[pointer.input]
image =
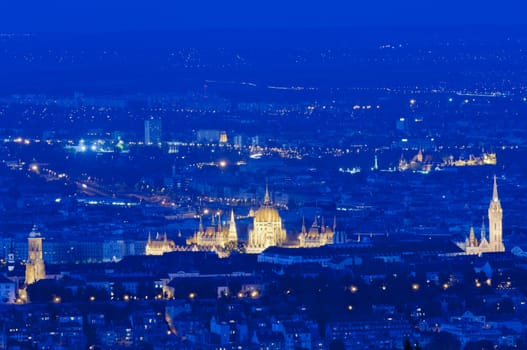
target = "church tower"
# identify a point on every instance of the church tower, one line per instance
(35, 270)
(11, 258)
(495, 218)
(233, 234)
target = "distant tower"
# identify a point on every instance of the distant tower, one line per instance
(223, 137)
(483, 240)
(495, 219)
(35, 270)
(11, 258)
(153, 131)
(233, 234)
(375, 163)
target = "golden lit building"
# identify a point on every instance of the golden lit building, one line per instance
(418, 163)
(35, 269)
(495, 241)
(215, 235)
(223, 137)
(216, 238)
(426, 163)
(317, 235)
(485, 159)
(160, 245)
(267, 230)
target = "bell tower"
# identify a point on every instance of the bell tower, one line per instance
(35, 269)
(495, 219)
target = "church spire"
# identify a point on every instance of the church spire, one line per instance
(315, 222)
(495, 191)
(334, 223)
(303, 225)
(495, 221)
(483, 231)
(233, 233)
(472, 238)
(200, 229)
(267, 199)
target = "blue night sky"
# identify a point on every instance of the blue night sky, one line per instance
(120, 15)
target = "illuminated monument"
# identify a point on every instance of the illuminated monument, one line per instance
(267, 230)
(35, 270)
(216, 238)
(495, 241)
(160, 245)
(215, 235)
(317, 235)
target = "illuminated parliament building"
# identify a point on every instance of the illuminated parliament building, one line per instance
(267, 231)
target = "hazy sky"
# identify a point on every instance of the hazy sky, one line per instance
(118, 15)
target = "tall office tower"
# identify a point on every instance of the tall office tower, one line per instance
(153, 131)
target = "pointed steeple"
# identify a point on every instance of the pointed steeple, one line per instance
(267, 199)
(149, 237)
(323, 226)
(334, 223)
(495, 191)
(304, 230)
(495, 213)
(200, 229)
(213, 223)
(233, 233)
(483, 231)
(472, 238)
(315, 222)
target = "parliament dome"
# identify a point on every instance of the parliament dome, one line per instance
(267, 213)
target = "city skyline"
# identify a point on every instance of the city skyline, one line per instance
(275, 184)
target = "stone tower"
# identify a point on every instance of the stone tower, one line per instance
(495, 218)
(35, 269)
